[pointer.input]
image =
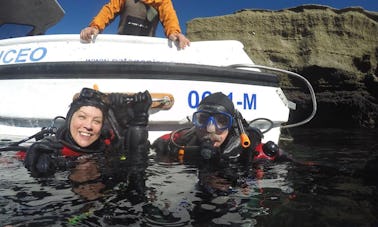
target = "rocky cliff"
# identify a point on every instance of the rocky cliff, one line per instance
(335, 49)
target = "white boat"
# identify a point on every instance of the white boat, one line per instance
(40, 74)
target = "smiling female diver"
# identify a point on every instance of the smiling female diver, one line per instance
(89, 130)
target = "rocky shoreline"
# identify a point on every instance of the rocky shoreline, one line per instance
(335, 49)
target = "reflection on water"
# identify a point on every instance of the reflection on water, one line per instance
(332, 186)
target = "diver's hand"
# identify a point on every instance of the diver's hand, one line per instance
(119, 100)
(131, 110)
(120, 104)
(41, 158)
(142, 103)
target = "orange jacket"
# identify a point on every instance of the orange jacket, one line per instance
(167, 14)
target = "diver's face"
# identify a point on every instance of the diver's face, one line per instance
(213, 124)
(86, 124)
(217, 137)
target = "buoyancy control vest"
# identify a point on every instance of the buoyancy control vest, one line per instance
(138, 18)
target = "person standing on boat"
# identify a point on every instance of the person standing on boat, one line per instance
(138, 17)
(96, 125)
(220, 142)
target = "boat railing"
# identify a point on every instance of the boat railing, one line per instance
(307, 83)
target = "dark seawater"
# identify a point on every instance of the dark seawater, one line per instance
(333, 183)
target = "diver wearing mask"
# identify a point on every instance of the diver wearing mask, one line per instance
(214, 142)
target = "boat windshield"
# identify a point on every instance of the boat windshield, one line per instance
(14, 30)
(27, 18)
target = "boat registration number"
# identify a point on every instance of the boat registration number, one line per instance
(247, 101)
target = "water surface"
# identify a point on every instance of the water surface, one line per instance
(328, 185)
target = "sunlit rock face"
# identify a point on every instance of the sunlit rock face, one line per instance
(335, 49)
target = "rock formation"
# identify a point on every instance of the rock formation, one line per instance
(335, 49)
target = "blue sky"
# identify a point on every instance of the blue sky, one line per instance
(79, 13)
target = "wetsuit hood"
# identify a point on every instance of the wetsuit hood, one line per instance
(87, 97)
(217, 102)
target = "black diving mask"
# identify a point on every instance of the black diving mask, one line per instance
(92, 97)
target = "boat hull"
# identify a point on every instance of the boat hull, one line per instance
(36, 92)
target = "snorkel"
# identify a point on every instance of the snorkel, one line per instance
(244, 139)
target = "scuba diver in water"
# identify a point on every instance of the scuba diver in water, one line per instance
(96, 125)
(220, 142)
